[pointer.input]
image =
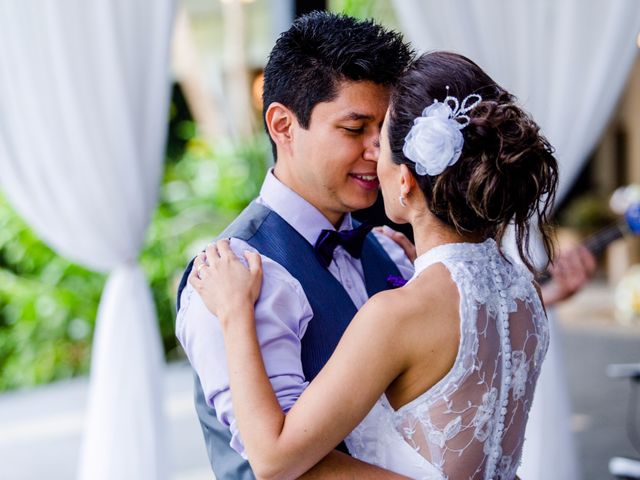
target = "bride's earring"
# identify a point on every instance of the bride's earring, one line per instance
(402, 200)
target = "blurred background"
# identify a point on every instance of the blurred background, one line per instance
(214, 159)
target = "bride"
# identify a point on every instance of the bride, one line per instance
(435, 379)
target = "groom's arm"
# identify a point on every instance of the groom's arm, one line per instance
(282, 314)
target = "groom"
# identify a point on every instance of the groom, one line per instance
(326, 90)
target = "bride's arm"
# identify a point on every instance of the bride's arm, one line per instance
(340, 466)
(280, 446)
(368, 358)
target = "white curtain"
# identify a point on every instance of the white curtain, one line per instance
(567, 61)
(84, 91)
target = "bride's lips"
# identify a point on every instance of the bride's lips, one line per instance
(368, 181)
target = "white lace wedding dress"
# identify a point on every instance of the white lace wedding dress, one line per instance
(471, 424)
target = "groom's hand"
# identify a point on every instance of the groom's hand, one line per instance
(401, 239)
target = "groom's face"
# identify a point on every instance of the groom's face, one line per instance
(336, 156)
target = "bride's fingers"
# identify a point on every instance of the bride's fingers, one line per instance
(255, 262)
(224, 249)
(212, 254)
(193, 279)
(200, 259)
(400, 238)
(203, 265)
(198, 264)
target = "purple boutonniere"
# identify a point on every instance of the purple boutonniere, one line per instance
(395, 281)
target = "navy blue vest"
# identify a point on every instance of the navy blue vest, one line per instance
(332, 309)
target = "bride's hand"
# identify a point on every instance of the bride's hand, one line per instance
(227, 287)
(401, 239)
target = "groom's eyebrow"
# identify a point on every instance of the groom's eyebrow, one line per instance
(355, 116)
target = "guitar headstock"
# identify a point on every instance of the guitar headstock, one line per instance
(624, 198)
(625, 201)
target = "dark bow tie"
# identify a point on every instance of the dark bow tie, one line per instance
(351, 241)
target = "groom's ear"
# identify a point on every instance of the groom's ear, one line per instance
(280, 121)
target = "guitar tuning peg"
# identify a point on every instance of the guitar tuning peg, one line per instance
(624, 197)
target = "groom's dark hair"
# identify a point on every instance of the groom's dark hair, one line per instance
(321, 49)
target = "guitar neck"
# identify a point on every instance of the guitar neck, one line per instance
(597, 242)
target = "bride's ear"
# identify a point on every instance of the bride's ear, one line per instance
(407, 181)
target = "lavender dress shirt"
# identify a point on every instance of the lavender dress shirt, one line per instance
(282, 312)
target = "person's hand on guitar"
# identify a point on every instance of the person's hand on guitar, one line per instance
(574, 267)
(570, 271)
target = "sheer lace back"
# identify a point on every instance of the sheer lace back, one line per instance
(471, 423)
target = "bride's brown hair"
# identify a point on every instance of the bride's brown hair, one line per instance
(506, 173)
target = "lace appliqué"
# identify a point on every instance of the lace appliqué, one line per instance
(471, 423)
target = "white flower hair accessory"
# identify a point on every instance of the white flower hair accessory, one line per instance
(435, 141)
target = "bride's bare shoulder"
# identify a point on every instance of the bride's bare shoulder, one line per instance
(429, 296)
(428, 304)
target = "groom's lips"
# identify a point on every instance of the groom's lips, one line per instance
(368, 181)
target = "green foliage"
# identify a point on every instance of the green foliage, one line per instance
(47, 308)
(354, 8)
(201, 193)
(587, 214)
(380, 10)
(48, 305)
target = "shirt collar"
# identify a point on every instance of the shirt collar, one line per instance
(306, 219)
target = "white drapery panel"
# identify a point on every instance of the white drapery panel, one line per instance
(567, 61)
(84, 92)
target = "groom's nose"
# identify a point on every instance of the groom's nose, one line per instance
(372, 148)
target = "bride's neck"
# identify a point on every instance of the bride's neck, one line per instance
(430, 232)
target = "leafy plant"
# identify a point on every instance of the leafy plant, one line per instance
(48, 305)
(381, 10)
(200, 195)
(587, 213)
(47, 308)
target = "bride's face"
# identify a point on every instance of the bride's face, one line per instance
(389, 175)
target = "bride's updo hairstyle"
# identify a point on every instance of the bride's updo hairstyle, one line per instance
(506, 171)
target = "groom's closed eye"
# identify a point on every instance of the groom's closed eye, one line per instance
(354, 130)
(355, 122)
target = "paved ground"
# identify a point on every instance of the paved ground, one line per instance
(592, 341)
(40, 429)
